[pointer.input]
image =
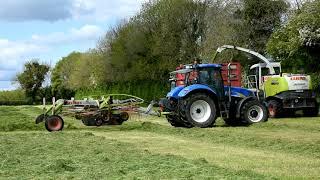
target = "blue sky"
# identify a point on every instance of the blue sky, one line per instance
(51, 29)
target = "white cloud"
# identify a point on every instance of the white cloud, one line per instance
(26, 10)
(83, 34)
(13, 54)
(87, 32)
(100, 10)
(54, 10)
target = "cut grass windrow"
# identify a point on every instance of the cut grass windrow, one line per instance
(149, 148)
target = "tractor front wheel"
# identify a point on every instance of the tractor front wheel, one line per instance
(54, 123)
(254, 112)
(200, 110)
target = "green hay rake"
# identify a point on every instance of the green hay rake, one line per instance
(111, 109)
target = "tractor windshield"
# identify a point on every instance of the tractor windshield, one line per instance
(206, 76)
(210, 77)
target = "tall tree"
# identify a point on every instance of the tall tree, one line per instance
(164, 34)
(297, 44)
(222, 27)
(32, 78)
(244, 23)
(60, 80)
(261, 18)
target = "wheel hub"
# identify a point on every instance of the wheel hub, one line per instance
(200, 111)
(54, 124)
(255, 113)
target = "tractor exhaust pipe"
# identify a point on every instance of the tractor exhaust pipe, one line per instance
(229, 82)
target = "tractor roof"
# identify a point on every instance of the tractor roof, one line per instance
(209, 65)
(190, 67)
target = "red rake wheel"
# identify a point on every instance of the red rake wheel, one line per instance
(124, 116)
(54, 123)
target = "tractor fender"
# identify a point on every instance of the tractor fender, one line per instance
(241, 103)
(196, 88)
(174, 92)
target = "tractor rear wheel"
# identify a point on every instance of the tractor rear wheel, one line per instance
(275, 109)
(200, 110)
(254, 112)
(54, 123)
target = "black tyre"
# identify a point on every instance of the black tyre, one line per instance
(200, 110)
(99, 121)
(174, 121)
(254, 112)
(124, 116)
(275, 109)
(54, 123)
(312, 112)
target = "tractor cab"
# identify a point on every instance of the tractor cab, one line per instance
(221, 78)
(198, 74)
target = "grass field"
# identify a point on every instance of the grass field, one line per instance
(148, 148)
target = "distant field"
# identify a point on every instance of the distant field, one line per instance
(148, 148)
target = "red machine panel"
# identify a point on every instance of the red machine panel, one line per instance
(236, 77)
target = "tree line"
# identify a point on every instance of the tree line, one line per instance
(137, 54)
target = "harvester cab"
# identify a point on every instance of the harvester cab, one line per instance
(259, 73)
(198, 96)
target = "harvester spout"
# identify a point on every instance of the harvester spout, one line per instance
(262, 58)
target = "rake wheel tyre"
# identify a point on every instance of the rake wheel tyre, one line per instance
(99, 122)
(54, 123)
(124, 116)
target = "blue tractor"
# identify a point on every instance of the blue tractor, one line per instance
(198, 96)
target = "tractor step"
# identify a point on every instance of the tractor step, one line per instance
(224, 114)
